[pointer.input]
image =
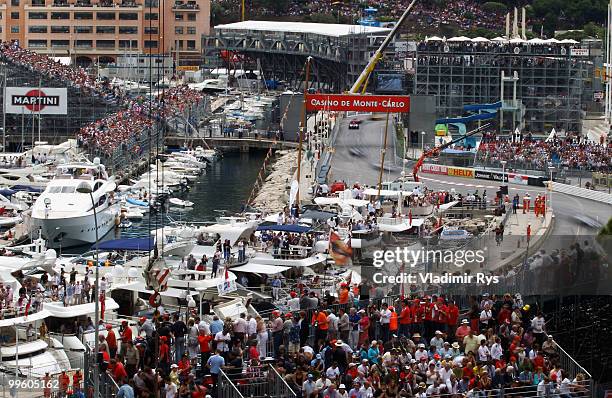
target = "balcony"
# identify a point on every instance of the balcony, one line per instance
(186, 6)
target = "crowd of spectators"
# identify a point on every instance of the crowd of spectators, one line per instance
(356, 344)
(110, 133)
(465, 14)
(572, 152)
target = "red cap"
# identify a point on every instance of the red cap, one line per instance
(143, 319)
(288, 315)
(293, 294)
(436, 356)
(109, 326)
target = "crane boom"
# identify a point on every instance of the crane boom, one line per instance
(435, 151)
(365, 74)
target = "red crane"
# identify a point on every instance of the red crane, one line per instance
(436, 151)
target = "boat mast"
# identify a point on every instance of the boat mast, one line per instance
(301, 131)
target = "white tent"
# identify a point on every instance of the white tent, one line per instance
(433, 38)
(517, 40)
(553, 41)
(537, 40)
(458, 39)
(499, 39)
(569, 41)
(551, 135)
(480, 40)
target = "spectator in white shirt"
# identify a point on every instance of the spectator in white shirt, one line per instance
(496, 349)
(483, 351)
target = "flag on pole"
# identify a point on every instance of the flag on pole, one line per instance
(340, 251)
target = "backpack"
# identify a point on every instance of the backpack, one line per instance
(294, 333)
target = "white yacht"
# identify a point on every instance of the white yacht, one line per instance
(65, 216)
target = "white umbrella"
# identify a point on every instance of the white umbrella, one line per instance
(536, 41)
(569, 41)
(500, 39)
(458, 39)
(433, 38)
(517, 40)
(553, 40)
(480, 40)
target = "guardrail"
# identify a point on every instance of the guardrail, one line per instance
(225, 387)
(582, 193)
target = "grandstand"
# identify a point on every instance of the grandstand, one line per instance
(554, 88)
(82, 108)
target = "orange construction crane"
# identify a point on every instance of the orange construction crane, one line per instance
(436, 151)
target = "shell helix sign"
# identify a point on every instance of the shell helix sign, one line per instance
(40, 101)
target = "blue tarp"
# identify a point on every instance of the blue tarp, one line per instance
(134, 244)
(26, 188)
(7, 192)
(482, 116)
(297, 229)
(477, 107)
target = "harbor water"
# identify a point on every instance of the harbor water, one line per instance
(224, 187)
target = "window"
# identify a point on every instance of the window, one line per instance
(191, 30)
(60, 15)
(37, 29)
(37, 15)
(128, 16)
(15, 3)
(15, 29)
(178, 16)
(83, 29)
(105, 29)
(178, 30)
(150, 44)
(15, 15)
(83, 15)
(151, 16)
(38, 3)
(191, 45)
(60, 29)
(151, 3)
(59, 43)
(105, 43)
(83, 43)
(151, 30)
(191, 17)
(128, 30)
(105, 16)
(126, 44)
(37, 43)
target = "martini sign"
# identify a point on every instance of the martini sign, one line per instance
(40, 101)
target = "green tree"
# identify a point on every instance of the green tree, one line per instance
(493, 6)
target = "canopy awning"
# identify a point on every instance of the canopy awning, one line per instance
(134, 244)
(58, 310)
(385, 192)
(261, 269)
(293, 228)
(327, 200)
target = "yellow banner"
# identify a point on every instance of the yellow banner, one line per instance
(188, 68)
(460, 172)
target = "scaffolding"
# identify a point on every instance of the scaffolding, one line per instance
(22, 130)
(337, 61)
(552, 87)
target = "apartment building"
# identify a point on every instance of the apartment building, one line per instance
(100, 30)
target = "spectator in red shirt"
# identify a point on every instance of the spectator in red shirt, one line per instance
(204, 342)
(405, 319)
(111, 341)
(118, 371)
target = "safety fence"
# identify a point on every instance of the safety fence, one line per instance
(254, 382)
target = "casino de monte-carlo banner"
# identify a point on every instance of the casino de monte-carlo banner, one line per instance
(40, 101)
